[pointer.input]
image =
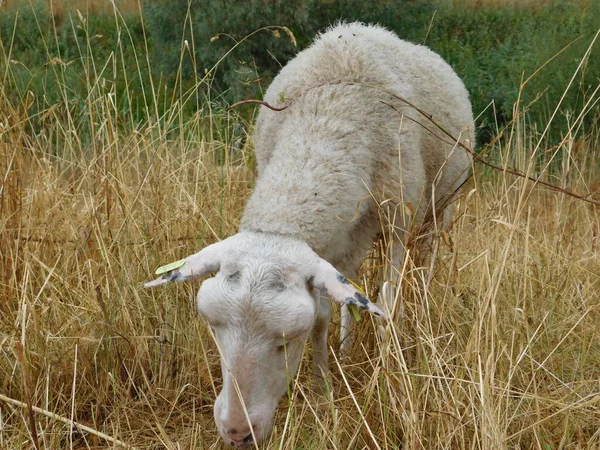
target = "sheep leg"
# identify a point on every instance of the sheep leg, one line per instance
(346, 331)
(346, 319)
(388, 294)
(319, 340)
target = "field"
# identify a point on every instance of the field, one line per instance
(497, 346)
(132, 5)
(62, 6)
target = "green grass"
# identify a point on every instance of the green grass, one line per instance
(524, 53)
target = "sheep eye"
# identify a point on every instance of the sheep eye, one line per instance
(280, 348)
(234, 277)
(278, 286)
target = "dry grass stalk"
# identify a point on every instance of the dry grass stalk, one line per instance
(64, 420)
(26, 386)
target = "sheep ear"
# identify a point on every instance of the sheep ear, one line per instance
(333, 284)
(198, 265)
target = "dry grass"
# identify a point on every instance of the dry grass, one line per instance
(501, 350)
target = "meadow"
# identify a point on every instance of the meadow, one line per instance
(496, 345)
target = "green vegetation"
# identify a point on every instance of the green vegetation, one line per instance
(176, 52)
(216, 27)
(494, 50)
(53, 63)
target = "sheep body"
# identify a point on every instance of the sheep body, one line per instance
(344, 140)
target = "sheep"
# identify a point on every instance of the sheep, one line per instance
(351, 134)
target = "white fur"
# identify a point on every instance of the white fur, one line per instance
(343, 143)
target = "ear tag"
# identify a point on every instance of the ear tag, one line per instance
(354, 311)
(353, 308)
(170, 267)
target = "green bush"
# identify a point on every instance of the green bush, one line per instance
(215, 27)
(492, 49)
(495, 49)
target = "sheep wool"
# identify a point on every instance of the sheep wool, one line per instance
(346, 139)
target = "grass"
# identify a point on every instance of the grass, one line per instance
(61, 7)
(507, 3)
(501, 349)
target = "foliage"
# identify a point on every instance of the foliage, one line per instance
(216, 27)
(495, 49)
(58, 60)
(207, 54)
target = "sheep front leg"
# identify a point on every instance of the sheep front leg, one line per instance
(346, 319)
(388, 294)
(346, 330)
(319, 341)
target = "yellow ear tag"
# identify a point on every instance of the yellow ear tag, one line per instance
(353, 308)
(354, 311)
(170, 267)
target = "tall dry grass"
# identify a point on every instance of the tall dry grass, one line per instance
(499, 349)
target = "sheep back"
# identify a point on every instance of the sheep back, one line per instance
(345, 142)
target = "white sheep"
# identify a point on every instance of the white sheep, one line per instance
(346, 139)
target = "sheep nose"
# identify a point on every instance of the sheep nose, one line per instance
(241, 443)
(239, 437)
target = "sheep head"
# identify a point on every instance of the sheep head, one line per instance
(260, 308)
